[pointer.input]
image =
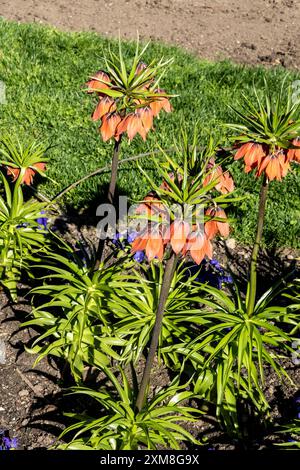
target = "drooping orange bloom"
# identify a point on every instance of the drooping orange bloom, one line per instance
(29, 172)
(179, 232)
(181, 235)
(253, 154)
(199, 246)
(294, 154)
(257, 156)
(151, 205)
(106, 105)
(160, 103)
(152, 241)
(224, 182)
(213, 227)
(276, 166)
(156, 235)
(146, 117)
(136, 112)
(140, 122)
(135, 126)
(109, 126)
(100, 80)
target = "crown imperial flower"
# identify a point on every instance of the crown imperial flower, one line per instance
(128, 101)
(28, 174)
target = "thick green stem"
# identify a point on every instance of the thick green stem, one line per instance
(252, 284)
(110, 198)
(166, 283)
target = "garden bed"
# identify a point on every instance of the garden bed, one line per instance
(32, 398)
(205, 277)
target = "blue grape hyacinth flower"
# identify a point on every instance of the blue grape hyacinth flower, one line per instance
(6, 443)
(131, 237)
(139, 256)
(118, 240)
(210, 272)
(42, 221)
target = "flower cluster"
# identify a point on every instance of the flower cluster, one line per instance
(6, 443)
(42, 221)
(275, 164)
(22, 161)
(211, 273)
(128, 108)
(29, 172)
(183, 235)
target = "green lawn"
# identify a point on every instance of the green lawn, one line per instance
(44, 70)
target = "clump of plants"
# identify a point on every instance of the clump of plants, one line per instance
(160, 297)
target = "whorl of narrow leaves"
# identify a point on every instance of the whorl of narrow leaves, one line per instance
(269, 141)
(119, 427)
(22, 162)
(174, 210)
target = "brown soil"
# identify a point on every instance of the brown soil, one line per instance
(248, 31)
(25, 393)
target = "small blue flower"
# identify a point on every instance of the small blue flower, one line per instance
(42, 221)
(9, 443)
(14, 443)
(215, 263)
(132, 236)
(139, 256)
(227, 279)
(117, 240)
(210, 272)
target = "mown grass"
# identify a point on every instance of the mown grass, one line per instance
(44, 70)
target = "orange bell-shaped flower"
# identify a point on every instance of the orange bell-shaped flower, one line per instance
(29, 172)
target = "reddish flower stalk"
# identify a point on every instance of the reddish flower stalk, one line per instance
(165, 288)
